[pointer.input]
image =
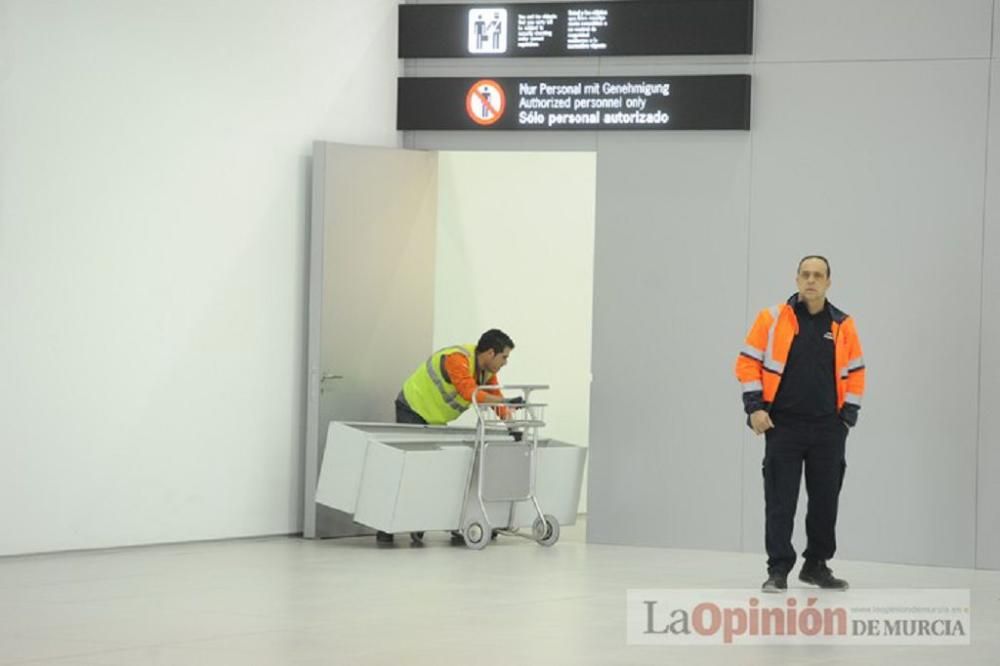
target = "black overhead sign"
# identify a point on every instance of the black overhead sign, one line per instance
(639, 27)
(575, 103)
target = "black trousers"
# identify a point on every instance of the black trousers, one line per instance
(404, 414)
(792, 446)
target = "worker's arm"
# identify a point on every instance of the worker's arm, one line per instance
(497, 396)
(749, 372)
(457, 367)
(855, 374)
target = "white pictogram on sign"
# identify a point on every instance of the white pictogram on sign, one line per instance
(485, 102)
(488, 30)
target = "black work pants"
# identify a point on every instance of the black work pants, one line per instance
(405, 414)
(819, 448)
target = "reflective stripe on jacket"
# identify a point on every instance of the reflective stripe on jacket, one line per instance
(430, 392)
(761, 362)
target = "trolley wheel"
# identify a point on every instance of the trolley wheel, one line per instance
(417, 538)
(546, 533)
(476, 536)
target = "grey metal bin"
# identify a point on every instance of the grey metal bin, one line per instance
(406, 478)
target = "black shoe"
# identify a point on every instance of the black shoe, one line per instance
(817, 573)
(383, 537)
(776, 582)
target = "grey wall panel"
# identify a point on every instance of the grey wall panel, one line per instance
(809, 30)
(472, 140)
(668, 297)
(988, 511)
(859, 162)
(996, 29)
(671, 67)
(502, 67)
(879, 164)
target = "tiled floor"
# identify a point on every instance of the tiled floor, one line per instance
(290, 601)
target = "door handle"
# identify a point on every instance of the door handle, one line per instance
(329, 376)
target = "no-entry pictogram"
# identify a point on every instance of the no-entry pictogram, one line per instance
(485, 102)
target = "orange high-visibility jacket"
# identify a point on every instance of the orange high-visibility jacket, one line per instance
(761, 362)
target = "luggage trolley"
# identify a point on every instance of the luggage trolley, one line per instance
(505, 471)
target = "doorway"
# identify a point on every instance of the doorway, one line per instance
(499, 240)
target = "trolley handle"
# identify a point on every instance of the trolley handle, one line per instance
(530, 387)
(524, 388)
(521, 412)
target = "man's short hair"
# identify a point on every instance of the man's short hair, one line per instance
(814, 256)
(494, 339)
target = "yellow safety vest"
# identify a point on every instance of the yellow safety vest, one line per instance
(431, 395)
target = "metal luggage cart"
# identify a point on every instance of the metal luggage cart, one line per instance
(504, 472)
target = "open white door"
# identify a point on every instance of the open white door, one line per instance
(371, 294)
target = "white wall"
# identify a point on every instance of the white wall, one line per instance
(153, 210)
(515, 251)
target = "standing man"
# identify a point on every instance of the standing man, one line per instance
(441, 389)
(803, 376)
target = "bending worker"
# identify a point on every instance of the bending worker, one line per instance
(440, 390)
(803, 376)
